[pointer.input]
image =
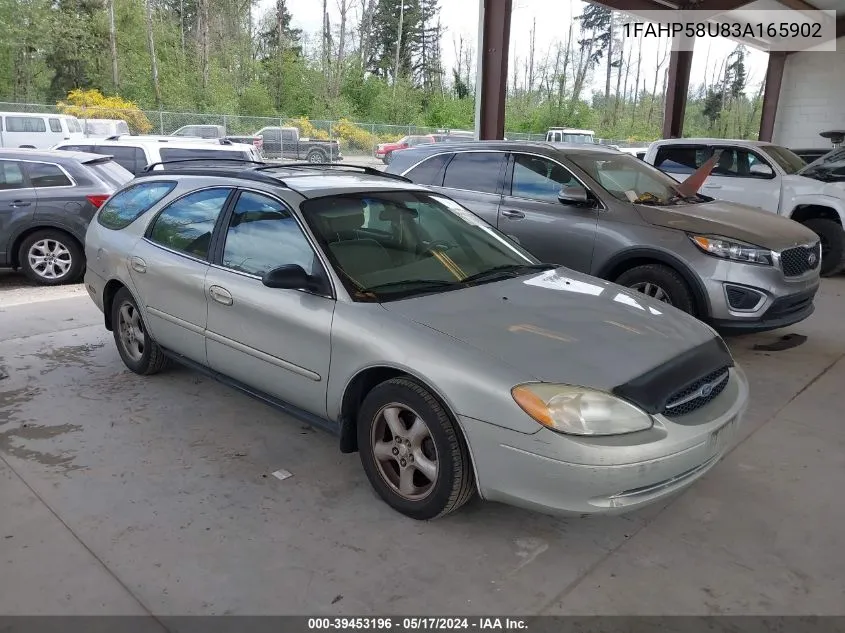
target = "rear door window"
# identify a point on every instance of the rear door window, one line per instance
(125, 207)
(47, 175)
(55, 125)
(430, 171)
(187, 224)
(680, 159)
(475, 171)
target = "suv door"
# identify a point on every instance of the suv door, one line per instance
(271, 339)
(17, 204)
(549, 229)
(475, 180)
(168, 268)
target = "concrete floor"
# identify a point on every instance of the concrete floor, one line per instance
(128, 495)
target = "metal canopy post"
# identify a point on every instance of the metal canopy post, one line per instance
(774, 77)
(495, 21)
(677, 86)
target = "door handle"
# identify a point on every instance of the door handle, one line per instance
(138, 264)
(510, 213)
(19, 203)
(712, 187)
(221, 295)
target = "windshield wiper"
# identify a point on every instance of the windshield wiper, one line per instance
(507, 270)
(427, 283)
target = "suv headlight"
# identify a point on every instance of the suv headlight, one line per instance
(734, 250)
(579, 410)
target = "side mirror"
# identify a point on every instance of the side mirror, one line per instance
(573, 194)
(290, 277)
(760, 170)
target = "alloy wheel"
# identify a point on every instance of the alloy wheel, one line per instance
(405, 454)
(652, 290)
(131, 329)
(49, 259)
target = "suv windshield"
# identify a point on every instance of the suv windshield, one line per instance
(828, 168)
(788, 160)
(628, 178)
(392, 245)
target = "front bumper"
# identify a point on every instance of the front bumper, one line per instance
(564, 474)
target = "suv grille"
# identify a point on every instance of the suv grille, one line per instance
(699, 393)
(797, 261)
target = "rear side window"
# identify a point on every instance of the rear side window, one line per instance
(680, 160)
(11, 175)
(187, 224)
(25, 124)
(475, 171)
(175, 153)
(125, 207)
(55, 125)
(430, 171)
(47, 175)
(132, 159)
(73, 125)
(110, 173)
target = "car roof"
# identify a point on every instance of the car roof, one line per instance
(713, 141)
(507, 146)
(157, 141)
(50, 155)
(310, 182)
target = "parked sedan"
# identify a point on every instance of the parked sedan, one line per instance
(46, 201)
(447, 355)
(609, 214)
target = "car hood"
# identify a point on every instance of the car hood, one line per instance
(561, 326)
(737, 221)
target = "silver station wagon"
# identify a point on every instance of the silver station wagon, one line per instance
(438, 348)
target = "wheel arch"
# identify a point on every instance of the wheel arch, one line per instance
(110, 291)
(804, 212)
(639, 256)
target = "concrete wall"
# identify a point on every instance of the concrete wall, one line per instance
(812, 98)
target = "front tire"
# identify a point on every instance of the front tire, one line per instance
(659, 282)
(832, 236)
(316, 156)
(412, 451)
(51, 257)
(139, 352)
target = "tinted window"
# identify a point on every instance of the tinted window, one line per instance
(263, 235)
(130, 158)
(174, 153)
(186, 225)
(55, 125)
(681, 160)
(25, 124)
(77, 148)
(475, 171)
(125, 207)
(110, 173)
(538, 178)
(430, 171)
(11, 175)
(737, 162)
(47, 175)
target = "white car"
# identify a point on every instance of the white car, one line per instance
(762, 175)
(137, 152)
(103, 128)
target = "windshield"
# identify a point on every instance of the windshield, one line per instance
(392, 245)
(789, 161)
(628, 178)
(829, 167)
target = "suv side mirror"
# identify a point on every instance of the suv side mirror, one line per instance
(291, 277)
(761, 171)
(573, 194)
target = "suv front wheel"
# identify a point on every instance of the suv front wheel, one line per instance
(659, 282)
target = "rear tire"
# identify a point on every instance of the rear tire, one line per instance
(412, 451)
(832, 237)
(139, 352)
(660, 282)
(316, 156)
(51, 257)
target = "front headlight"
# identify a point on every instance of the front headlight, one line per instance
(734, 250)
(578, 410)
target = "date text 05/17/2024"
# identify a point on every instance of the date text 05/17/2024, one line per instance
(401, 625)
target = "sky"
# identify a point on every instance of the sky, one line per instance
(553, 18)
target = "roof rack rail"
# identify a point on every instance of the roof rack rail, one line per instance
(151, 166)
(370, 171)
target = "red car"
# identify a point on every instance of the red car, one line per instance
(385, 150)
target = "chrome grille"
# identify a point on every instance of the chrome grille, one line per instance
(797, 261)
(699, 393)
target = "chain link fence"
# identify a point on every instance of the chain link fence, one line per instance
(355, 139)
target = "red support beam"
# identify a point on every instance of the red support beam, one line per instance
(496, 30)
(677, 86)
(774, 78)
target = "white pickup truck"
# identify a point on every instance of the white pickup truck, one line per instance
(762, 175)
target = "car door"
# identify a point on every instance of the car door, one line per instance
(17, 204)
(744, 176)
(274, 340)
(168, 268)
(549, 229)
(475, 180)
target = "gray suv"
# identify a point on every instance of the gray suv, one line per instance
(47, 199)
(603, 212)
